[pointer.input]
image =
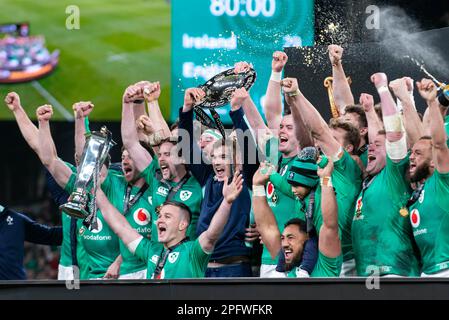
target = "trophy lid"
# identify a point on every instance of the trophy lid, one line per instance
(219, 89)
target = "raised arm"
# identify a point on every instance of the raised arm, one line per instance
(320, 130)
(27, 128)
(255, 120)
(374, 123)
(303, 134)
(412, 123)
(81, 110)
(250, 153)
(428, 91)
(396, 142)
(47, 150)
(329, 242)
(342, 91)
(194, 160)
(115, 219)
(140, 156)
(151, 93)
(273, 97)
(231, 191)
(263, 215)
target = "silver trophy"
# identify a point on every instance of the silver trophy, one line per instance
(219, 89)
(94, 155)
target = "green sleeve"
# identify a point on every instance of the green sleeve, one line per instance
(144, 250)
(281, 184)
(396, 183)
(442, 192)
(327, 267)
(70, 184)
(71, 166)
(149, 173)
(199, 258)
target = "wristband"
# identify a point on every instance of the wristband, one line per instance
(138, 101)
(275, 76)
(259, 191)
(294, 94)
(326, 182)
(383, 89)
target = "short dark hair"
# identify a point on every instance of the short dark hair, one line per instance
(302, 225)
(352, 135)
(180, 205)
(175, 125)
(357, 109)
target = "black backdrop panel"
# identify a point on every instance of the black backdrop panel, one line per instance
(360, 61)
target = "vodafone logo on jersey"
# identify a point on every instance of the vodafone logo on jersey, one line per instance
(99, 227)
(415, 218)
(270, 190)
(142, 217)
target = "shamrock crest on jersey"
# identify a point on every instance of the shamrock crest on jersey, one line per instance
(184, 195)
(172, 257)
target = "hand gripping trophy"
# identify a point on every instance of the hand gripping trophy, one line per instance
(94, 155)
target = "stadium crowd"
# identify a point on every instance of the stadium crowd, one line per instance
(366, 193)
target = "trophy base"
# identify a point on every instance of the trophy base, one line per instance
(74, 210)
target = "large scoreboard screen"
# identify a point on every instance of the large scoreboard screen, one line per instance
(209, 36)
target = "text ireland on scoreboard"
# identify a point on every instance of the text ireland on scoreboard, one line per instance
(209, 36)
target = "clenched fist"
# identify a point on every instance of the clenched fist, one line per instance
(82, 109)
(133, 92)
(400, 89)
(379, 79)
(193, 96)
(242, 66)
(12, 100)
(144, 123)
(152, 91)
(44, 113)
(280, 59)
(427, 89)
(289, 85)
(238, 97)
(335, 54)
(367, 102)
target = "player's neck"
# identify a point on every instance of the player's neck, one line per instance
(138, 183)
(180, 173)
(175, 241)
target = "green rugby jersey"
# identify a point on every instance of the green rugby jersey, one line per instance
(381, 231)
(66, 245)
(347, 182)
(324, 267)
(101, 245)
(190, 194)
(429, 217)
(138, 216)
(187, 260)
